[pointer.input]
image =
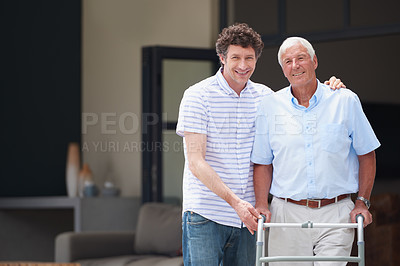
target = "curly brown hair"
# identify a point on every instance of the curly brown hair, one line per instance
(239, 34)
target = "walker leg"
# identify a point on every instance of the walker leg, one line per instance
(360, 237)
(260, 240)
(361, 253)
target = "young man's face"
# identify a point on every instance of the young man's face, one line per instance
(298, 67)
(239, 65)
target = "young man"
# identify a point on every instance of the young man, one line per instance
(313, 148)
(216, 119)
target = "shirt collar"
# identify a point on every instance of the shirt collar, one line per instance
(227, 89)
(315, 99)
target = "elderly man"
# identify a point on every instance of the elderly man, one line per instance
(313, 148)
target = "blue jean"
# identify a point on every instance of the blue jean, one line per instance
(206, 243)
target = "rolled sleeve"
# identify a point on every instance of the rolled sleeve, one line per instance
(192, 114)
(363, 136)
(261, 152)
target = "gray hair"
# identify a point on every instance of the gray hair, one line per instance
(291, 41)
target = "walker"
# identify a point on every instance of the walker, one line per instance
(360, 243)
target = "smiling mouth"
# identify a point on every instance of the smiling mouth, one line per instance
(298, 74)
(242, 73)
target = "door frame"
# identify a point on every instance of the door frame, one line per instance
(152, 124)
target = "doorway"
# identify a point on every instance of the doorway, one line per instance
(167, 73)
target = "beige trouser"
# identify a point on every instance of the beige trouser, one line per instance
(310, 241)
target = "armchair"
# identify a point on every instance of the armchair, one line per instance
(156, 241)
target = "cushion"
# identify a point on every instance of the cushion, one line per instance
(159, 229)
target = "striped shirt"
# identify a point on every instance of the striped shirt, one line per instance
(211, 107)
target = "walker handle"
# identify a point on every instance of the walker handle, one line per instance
(362, 217)
(263, 218)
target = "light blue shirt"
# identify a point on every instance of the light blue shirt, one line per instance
(212, 108)
(313, 150)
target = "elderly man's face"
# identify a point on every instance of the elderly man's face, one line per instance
(298, 67)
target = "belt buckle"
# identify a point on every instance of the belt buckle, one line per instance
(316, 200)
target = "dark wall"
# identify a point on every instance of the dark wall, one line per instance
(384, 120)
(41, 94)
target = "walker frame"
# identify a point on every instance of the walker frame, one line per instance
(360, 259)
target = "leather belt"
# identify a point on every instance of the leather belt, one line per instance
(316, 203)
